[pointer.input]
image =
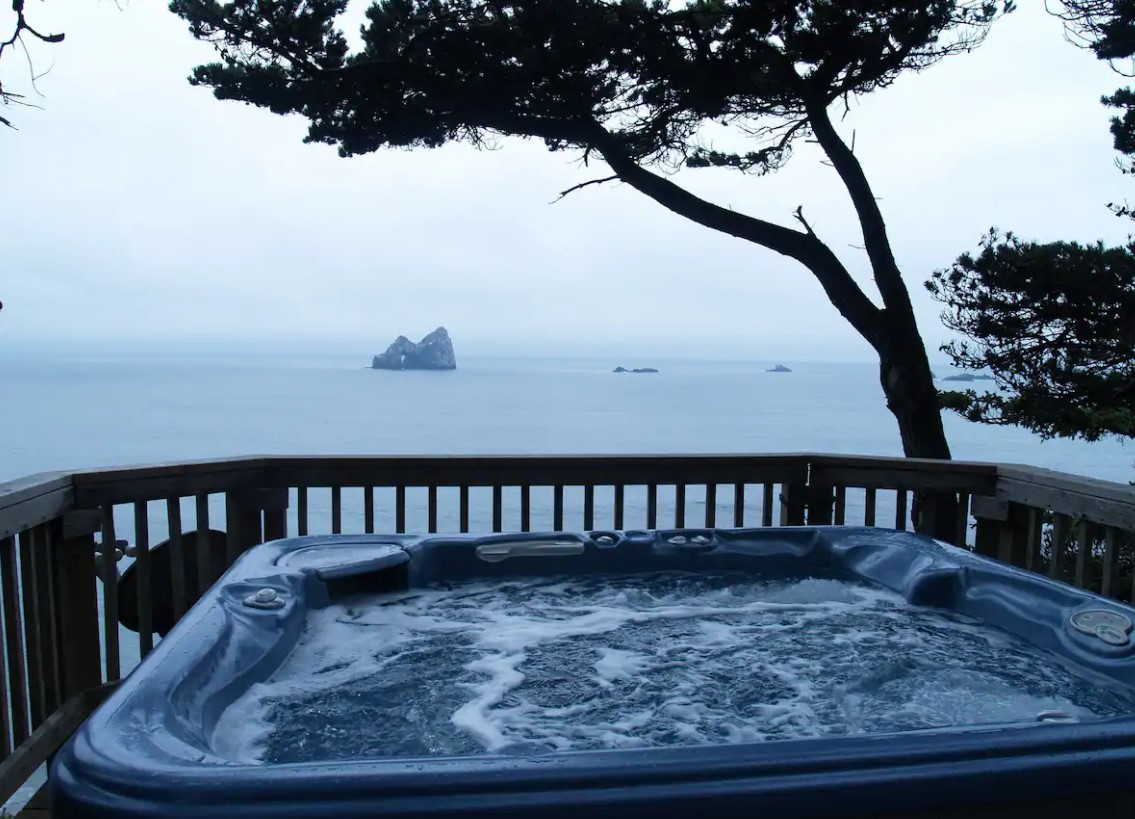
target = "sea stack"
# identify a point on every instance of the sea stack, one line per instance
(434, 352)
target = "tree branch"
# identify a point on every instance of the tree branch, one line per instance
(805, 248)
(799, 214)
(888, 278)
(582, 185)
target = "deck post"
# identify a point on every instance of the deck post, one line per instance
(77, 622)
(820, 504)
(793, 503)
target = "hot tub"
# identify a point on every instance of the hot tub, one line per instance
(798, 672)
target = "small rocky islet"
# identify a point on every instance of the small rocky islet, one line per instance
(434, 352)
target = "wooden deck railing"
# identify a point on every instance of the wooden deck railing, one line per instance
(66, 537)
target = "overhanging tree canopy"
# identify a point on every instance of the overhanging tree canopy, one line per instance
(633, 83)
(14, 37)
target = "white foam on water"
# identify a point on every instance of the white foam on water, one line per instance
(525, 666)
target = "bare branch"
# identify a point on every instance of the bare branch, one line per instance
(799, 214)
(582, 185)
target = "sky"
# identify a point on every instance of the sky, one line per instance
(136, 210)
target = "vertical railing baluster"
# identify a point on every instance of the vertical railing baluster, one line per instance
(336, 510)
(400, 509)
(839, 514)
(301, 511)
(738, 505)
(463, 505)
(1059, 536)
(1083, 551)
(680, 506)
(109, 573)
(6, 726)
(1110, 561)
(558, 508)
(177, 580)
(525, 508)
(961, 521)
(710, 505)
(767, 500)
(368, 509)
(431, 509)
(142, 571)
(900, 509)
(14, 641)
(652, 506)
(869, 506)
(498, 508)
(49, 536)
(32, 642)
(619, 512)
(589, 507)
(208, 567)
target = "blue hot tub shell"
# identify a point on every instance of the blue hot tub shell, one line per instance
(146, 751)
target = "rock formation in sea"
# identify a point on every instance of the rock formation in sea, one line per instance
(635, 370)
(968, 377)
(434, 352)
(779, 368)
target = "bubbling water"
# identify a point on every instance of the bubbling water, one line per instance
(542, 665)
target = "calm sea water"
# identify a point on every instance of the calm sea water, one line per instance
(81, 411)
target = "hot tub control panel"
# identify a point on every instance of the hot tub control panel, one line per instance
(1108, 626)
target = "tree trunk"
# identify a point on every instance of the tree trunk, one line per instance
(904, 372)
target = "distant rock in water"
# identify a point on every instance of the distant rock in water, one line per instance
(968, 377)
(636, 370)
(434, 352)
(779, 368)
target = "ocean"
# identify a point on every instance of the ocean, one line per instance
(80, 411)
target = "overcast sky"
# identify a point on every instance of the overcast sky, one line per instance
(134, 207)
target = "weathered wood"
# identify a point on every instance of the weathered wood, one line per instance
(619, 501)
(145, 587)
(793, 503)
(961, 522)
(14, 641)
(820, 504)
(526, 508)
(301, 511)
(96, 487)
(768, 500)
(208, 567)
(243, 524)
(869, 501)
(6, 744)
(652, 506)
(839, 516)
(336, 510)
(1013, 536)
(498, 508)
(109, 575)
(33, 613)
(1060, 527)
(1110, 561)
(400, 509)
(77, 623)
(431, 509)
(79, 522)
(589, 507)
(47, 739)
(738, 505)
(368, 509)
(36, 499)
(900, 509)
(710, 505)
(464, 508)
(1109, 504)
(537, 470)
(558, 507)
(178, 582)
(680, 506)
(1083, 552)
